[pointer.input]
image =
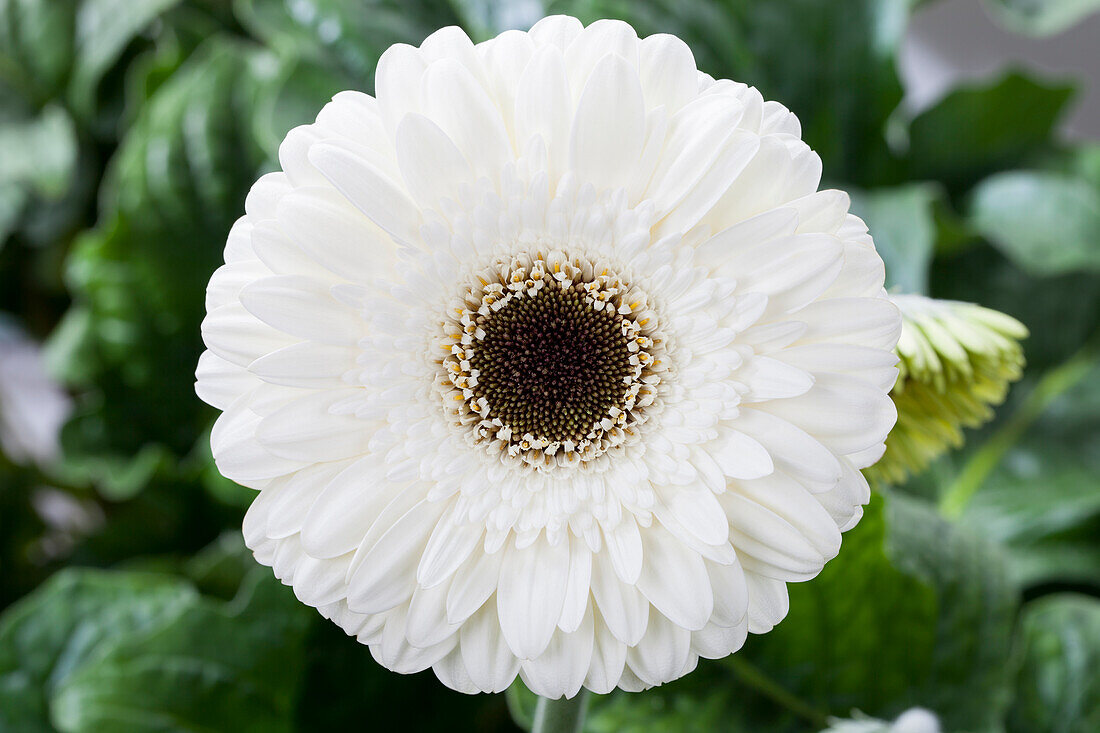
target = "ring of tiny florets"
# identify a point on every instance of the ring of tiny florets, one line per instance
(550, 359)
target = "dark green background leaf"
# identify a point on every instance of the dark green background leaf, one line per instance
(974, 131)
(1059, 682)
(68, 622)
(1047, 222)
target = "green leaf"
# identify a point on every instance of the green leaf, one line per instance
(1042, 17)
(51, 48)
(931, 604)
(902, 222)
(214, 667)
(39, 153)
(36, 48)
(67, 622)
(860, 607)
(913, 611)
(341, 35)
(968, 681)
(293, 95)
(976, 130)
(1058, 688)
(54, 56)
(1042, 501)
(1048, 223)
(221, 567)
(103, 30)
(832, 64)
(173, 190)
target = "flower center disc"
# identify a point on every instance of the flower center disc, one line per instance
(552, 365)
(551, 359)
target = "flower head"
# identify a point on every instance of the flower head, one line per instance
(957, 361)
(550, 360)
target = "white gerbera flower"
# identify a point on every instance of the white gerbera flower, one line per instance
(550, 361)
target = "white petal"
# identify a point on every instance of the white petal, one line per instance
(531, 594)
(845, 414)
(608, 660)
(662, 653)
(239, 337)
(593, 44)
(872, 322)
(386, 573)
(733, 158)
(697, 135)
(578, 586)
(293, 156)
(430, 163)
(756, 230)
(791, 449)
(335, 234)
(346, 508)
(768, 602)
(731, 593)
(426, 624)
(561, 669)
(306, 364)
(455, 101)
(487, 657)
(263, 198)
(624, 547)
(473, 584)
(716, 642)
(624, 609)
(783, 170)
(450, 545)
(369, 190)
(695, 507)
(226, 282)
(780, 550)
(675, 581)
(556, 30)
(667, 70)
(302, 307)
(306, 429)
(396, 653)
(544, 106)
(451, 671)
(293, 496)
(609, 126)
(219, 382)
(740, 456)
(397, 82)
(237, 453)
(317, 582)
(789, 500)
(769, 379)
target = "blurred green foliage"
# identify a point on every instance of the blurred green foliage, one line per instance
(130, 131)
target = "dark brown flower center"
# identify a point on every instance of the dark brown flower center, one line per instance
(552, 365)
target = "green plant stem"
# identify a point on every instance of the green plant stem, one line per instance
(755, 678)
(564, 715)
(977, 469)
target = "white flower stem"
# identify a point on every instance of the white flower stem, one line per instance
(565, 715)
